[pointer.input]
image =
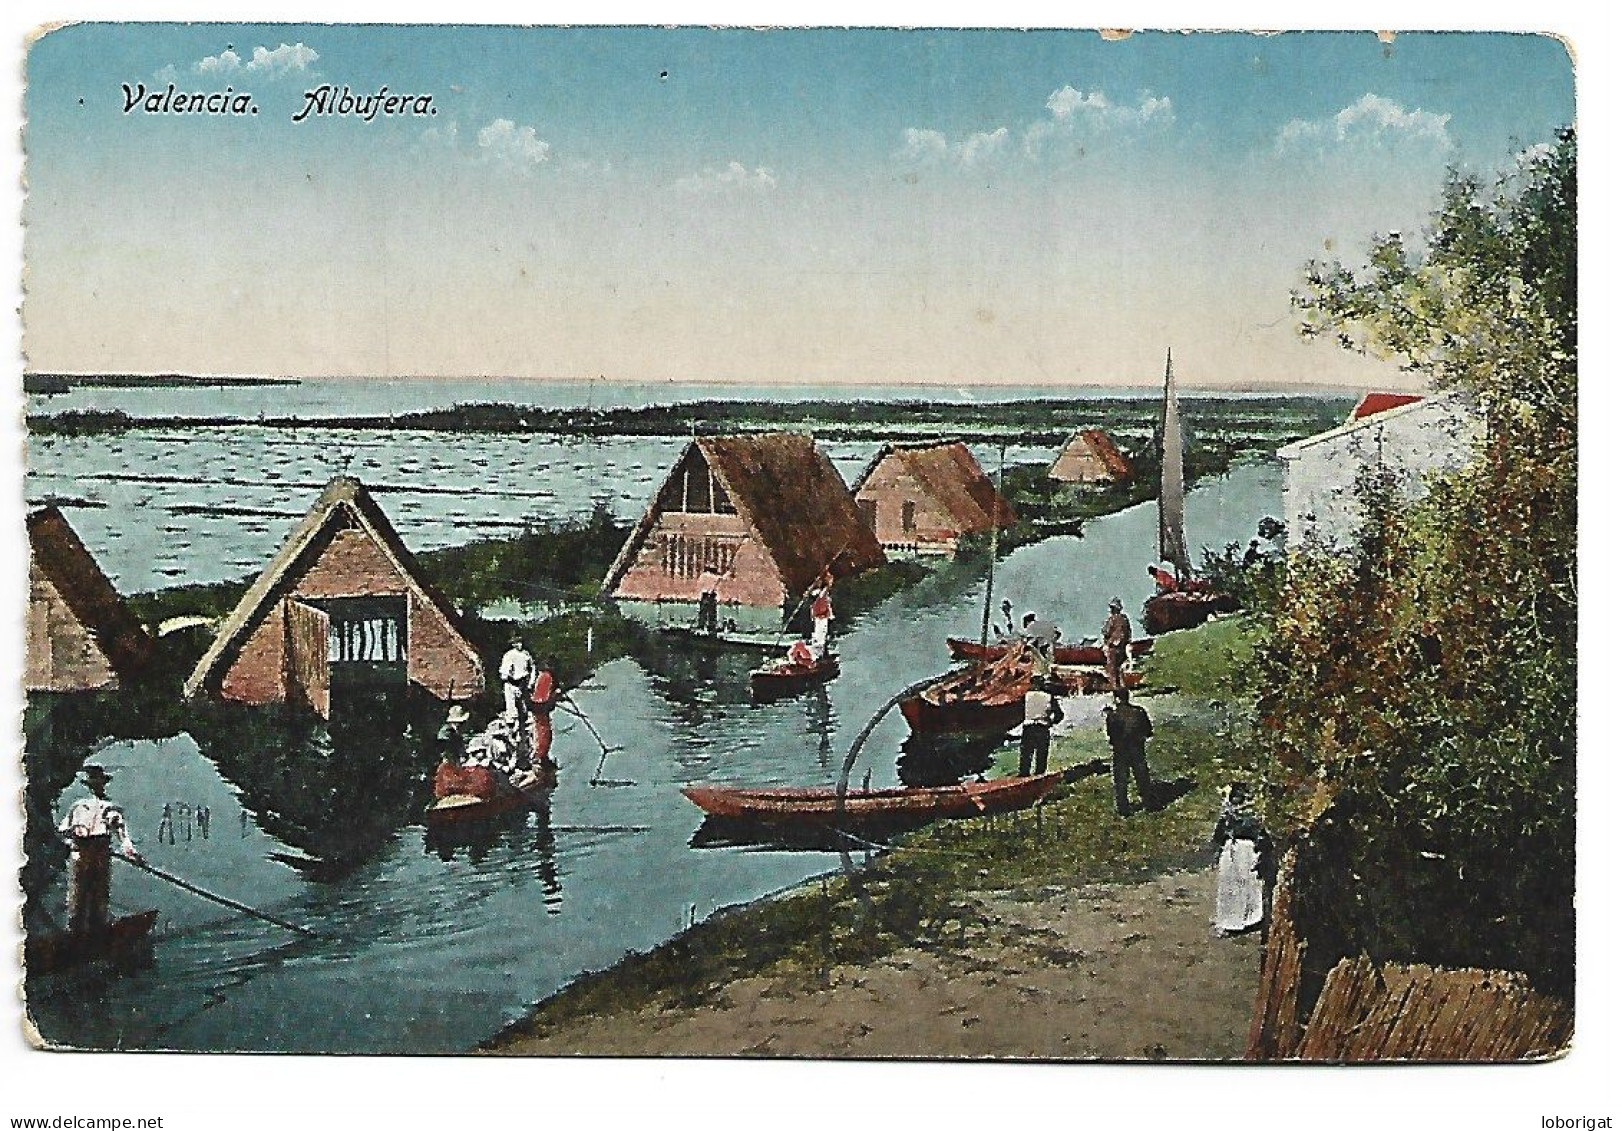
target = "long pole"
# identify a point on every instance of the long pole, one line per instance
(185, 885)
(991, 572)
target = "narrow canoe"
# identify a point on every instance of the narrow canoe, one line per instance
(731, 638)
(513, 795)
(820, 806)
(1072, 655)
(123, 939)
(787, 678)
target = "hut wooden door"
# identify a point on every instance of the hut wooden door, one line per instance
(308, 673)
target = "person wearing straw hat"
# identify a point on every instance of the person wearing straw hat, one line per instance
(453, 734)
(89, 828)
(1117, 635)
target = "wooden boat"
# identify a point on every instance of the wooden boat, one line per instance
(785, 677)
(124, 940)
(728, 638)
(1068, 655)
(820, 806)
(942, 709)
(512, 795)
(1170, 611)
(1190, 607)
(982, 698)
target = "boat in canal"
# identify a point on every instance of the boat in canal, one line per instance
(124, 941)
(1068, 655)
(722, 637)
(523, 790)
(824, 807)
(785, 677)
(1193, 602)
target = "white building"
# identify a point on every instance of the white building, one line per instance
(1412, 437)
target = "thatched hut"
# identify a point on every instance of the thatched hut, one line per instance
(921, 499)
(342, 604)
(81, 637)
(1090, 456)
(754, 519)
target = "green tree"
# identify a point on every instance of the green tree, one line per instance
(1417, 697)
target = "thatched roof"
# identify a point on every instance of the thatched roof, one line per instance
(953, 478)
(59, 554)
(1097, 442)
(344, 502)
(789, 495)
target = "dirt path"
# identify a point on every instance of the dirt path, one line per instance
(1089, 971)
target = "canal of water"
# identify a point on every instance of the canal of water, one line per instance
(430, 947)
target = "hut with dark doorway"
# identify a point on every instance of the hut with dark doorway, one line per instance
(753, 519)
(341, 607)
(81, 636)
(1091, 457)
(921, 499)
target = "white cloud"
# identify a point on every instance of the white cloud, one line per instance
(504, 140)
(227, 62)
(1069, 110)
(931, 146)
(282, 60)
(1371, 122)
(735, 177)
(266, 62)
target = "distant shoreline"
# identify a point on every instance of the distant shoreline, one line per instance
(1043, 420)
(53, 383)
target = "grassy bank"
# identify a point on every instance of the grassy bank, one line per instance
(922, 893)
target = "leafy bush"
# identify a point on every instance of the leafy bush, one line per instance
(1418, 695)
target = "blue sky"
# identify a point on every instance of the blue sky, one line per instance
(742, 206)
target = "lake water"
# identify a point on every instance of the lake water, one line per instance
(429, 948)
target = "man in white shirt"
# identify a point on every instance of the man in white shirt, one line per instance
(89, 828)
(1042, 710)
(517, 677)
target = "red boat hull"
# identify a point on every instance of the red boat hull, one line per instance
(821, 807)
(1171, 611)
(784, 678)
(466, 807)
(976, 716)
(1070, 655)
(124, 939)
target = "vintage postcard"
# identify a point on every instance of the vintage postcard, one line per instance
(800, 543)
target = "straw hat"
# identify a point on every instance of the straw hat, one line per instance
(457, 714)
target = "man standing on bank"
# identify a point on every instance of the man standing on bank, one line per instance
(89, 828)
(1117, 635)
(1042, 710)
(1129, 729)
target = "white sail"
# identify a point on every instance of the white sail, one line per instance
(1173, 546)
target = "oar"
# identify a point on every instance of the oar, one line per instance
(185, 885)
(574, 709)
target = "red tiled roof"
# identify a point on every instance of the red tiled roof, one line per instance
(1373, 403)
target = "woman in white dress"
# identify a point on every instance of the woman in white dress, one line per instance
(1240, 887)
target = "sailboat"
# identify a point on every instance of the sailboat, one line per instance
(1192, 601)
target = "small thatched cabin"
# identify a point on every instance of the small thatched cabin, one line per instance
(922, 499)
(756, 519)
(1090, 456)
(342, 604)
(80, 635)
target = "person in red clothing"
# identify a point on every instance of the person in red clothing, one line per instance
(543, 698)
(822, 614)
(1165, 581)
